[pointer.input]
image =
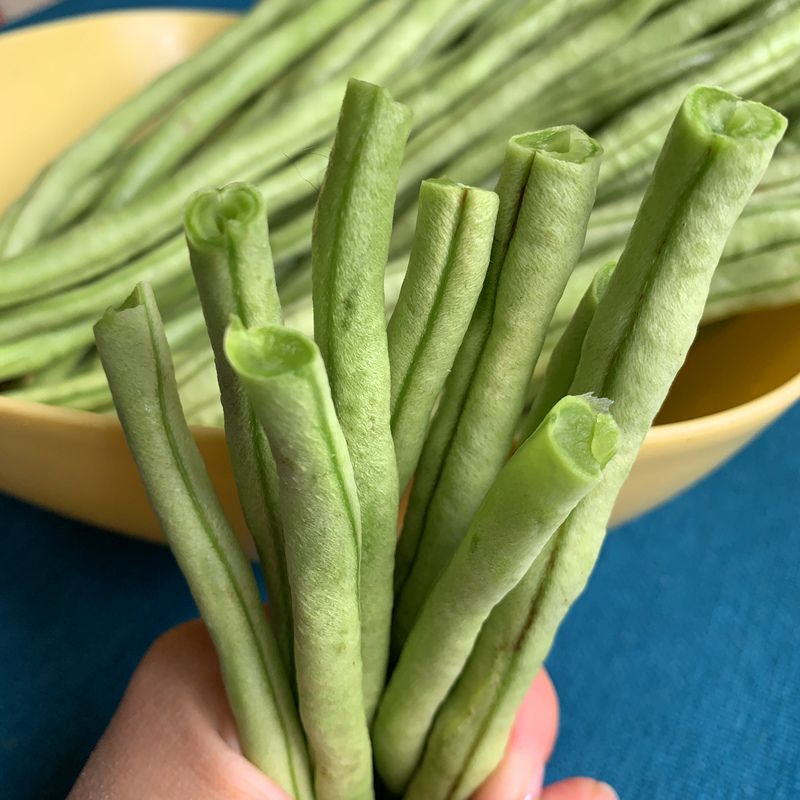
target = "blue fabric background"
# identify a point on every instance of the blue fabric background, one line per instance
(679, 670)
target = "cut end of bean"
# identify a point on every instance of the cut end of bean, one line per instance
(363, 93)
(142, 295)
(585, 432)
(726, 115)
(268, 351)
(210, 213)
(564, 142)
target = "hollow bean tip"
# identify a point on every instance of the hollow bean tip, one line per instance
(142, 295)
(266, 351)
(561, 142)
(585, 430)
(725, 114)
(212, 215)
(444, 189)
(363, 91)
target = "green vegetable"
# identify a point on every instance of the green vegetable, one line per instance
(546, 192)
(507, 90)
(137, 362)
(635, 137)
(533, 494)
(285, 380)
(57, 181)
(453, 241)
(566, 354)
(715, 154)
(350, 243)
(84, 250)
(189, 123)
(226, 231)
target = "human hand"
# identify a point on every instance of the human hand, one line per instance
(173, 737)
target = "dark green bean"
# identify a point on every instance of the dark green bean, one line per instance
(350, 243)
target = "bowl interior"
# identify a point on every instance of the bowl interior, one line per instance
(734, 362)
(731, 363)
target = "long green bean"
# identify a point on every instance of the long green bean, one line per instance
(567, 352)
(524, 29)
(533, 494)
(89, 391)
(505, 92)
(59, 179)
(350, 243)
(546, 192)
(715, 154)
(136, 358)
(164, 268)
(634, 137)
(333, 56)
(190, 122)
(384, 58)
(453, 241)
(762, 280)
(226, 231)
(92, 247)
(285, 380)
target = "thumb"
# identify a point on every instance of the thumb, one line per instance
(173, 735)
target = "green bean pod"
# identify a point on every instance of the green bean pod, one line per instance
(193, 119)
(546, 192)
(511, 88)
(226, 231)
(448, 263)
(350, 245)
(634, 138)
(567, 353)
(104, 240)
(532, 496)
(715, 154)
(58, 180)
(136, 358)
(284, 376)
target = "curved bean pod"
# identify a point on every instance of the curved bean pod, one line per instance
(284, 376)
(715, 154)
(532, 496)
(350, 244)
(136, 358)
(448, 262)
(546, 192)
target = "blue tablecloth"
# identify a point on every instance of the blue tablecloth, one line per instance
(679, 670)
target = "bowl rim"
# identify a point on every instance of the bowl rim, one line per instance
(24, 28)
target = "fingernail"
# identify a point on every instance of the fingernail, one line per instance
(603, 791)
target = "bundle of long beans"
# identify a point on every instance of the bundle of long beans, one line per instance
(415, 656)
(260, 104)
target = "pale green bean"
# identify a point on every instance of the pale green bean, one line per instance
(56, 182)
(449, 258)
(715, 154)
(136, 359)
(350, 244)
(567, 353)
(532, 496)
(285, 379)
(546, 192)
(226, 231)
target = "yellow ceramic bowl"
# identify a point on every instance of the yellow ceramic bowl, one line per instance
(55, 81)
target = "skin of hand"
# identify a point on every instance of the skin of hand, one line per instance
(173, 736)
